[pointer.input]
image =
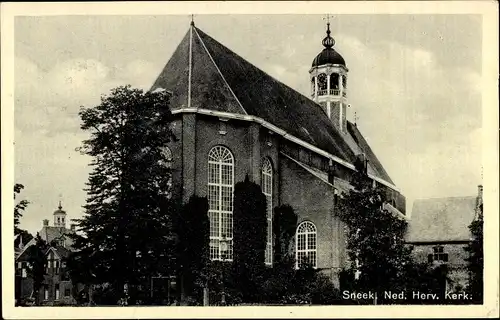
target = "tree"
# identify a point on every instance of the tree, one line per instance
(18, 208)
(476, 259)
(126, 232)
(250, 225)
(37, 264)
(193, 229)
(376, 244)
(285, 223)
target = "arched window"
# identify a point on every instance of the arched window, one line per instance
(313, 85)
(305, 244)
(322, 83)
(334, 81)
(220, 200)
(267, 190)
(167, 155)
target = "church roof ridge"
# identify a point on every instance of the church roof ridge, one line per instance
(223, 81)
(217, 67)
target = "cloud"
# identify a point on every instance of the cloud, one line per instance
(420, 116)
(47, 128)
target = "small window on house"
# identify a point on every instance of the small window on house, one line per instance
(24, 273)
(46, 293)
(438, 255)
(56, 266)
(57, 293)
(67, 292)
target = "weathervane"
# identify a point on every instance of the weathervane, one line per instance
(327, 18)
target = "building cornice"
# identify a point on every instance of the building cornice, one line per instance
(283, 133)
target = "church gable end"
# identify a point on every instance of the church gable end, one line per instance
(174, 77)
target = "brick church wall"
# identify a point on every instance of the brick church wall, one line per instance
(312, 200)
(208, 136)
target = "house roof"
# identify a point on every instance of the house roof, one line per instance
(62, 252)
(203, 73)
(441, 219)
(49, 233)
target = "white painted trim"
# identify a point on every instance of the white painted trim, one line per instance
(190, 67)
(284, 134)
(55, 253)
(220, 73)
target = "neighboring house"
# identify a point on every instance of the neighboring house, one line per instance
(57, 287)
(233, 119)
(439, 232)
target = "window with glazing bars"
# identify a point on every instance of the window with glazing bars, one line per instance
(267, 190)
(220, 200)
(305, 244)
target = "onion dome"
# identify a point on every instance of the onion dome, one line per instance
(328, 55)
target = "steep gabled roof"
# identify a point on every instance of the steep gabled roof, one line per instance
(203, 73)
(441, 219)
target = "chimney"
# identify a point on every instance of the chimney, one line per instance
(73, 227)
(45, 222)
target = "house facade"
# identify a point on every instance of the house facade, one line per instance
(439, 232)
(56, 287)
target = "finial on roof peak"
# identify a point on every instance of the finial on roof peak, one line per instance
(328, 41)
(60, 206)
(192, 20)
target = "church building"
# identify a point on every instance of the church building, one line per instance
(232, 119)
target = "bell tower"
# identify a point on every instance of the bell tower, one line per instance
(60, 217)
(328, 76)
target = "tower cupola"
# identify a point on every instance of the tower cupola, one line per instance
(328, 76)
(60, 217)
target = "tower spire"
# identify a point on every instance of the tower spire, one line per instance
(328, 41)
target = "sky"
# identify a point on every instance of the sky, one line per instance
(414, 83)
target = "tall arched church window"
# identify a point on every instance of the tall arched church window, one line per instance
(167, 157)
(305, 244)
(167, 163)
(267, 189)
(220, 200)
(313, 85)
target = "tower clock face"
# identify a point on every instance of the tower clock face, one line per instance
(322, 82)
